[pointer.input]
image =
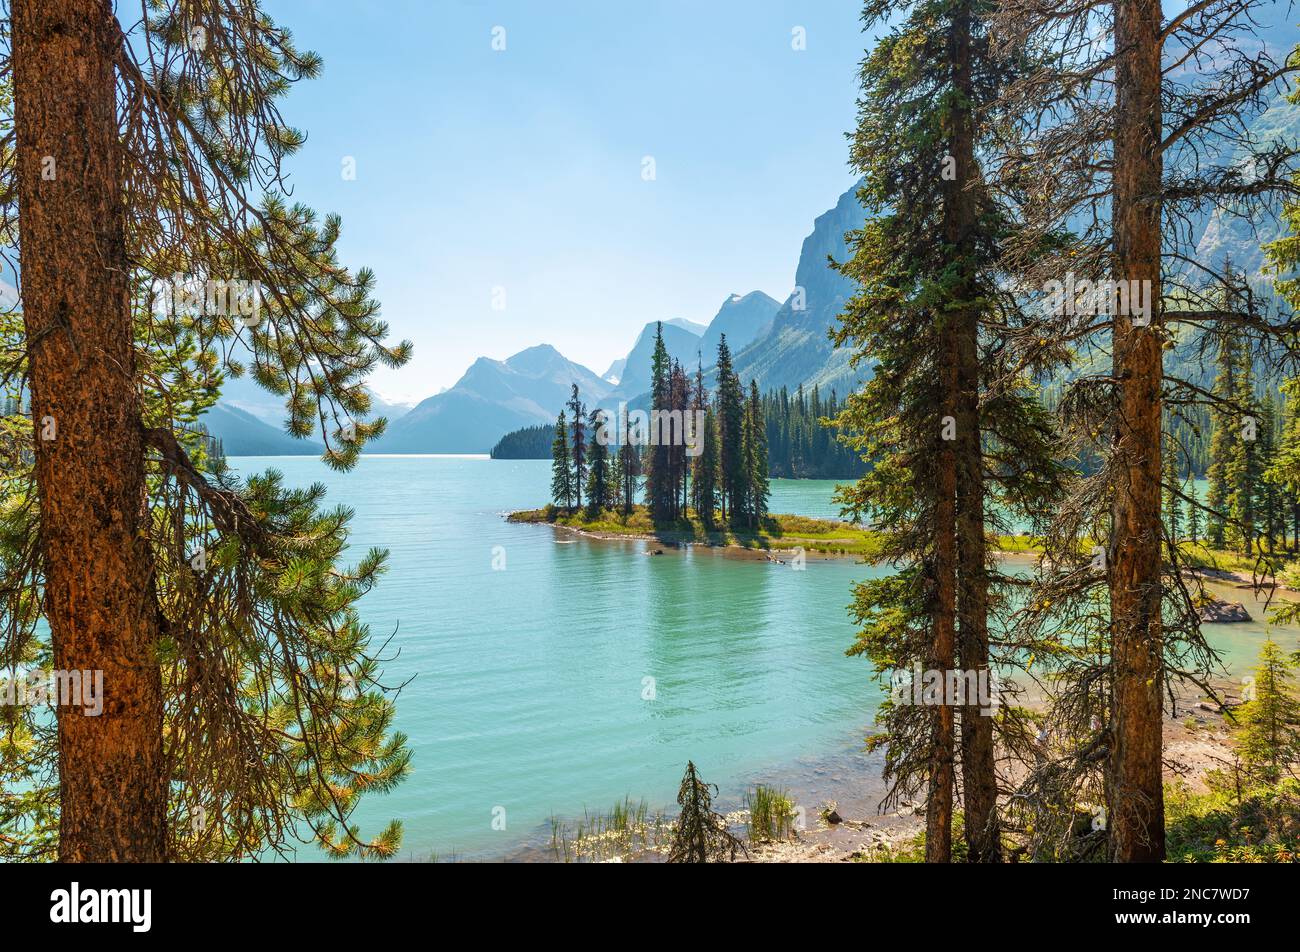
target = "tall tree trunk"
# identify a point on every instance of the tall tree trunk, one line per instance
(979, 780)
(99, 598)
(1136, 814)
(938, 815)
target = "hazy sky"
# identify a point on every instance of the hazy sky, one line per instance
(522, 169)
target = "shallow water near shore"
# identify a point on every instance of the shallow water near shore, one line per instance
(555, 674)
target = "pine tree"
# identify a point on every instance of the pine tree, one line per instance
(700, 835)
(222, 611)
(1174, 141)
(598, 471)
(1173, 502)
(705, 482)
(614, 469)
(683, 404)
(1193, 512)
(578, 446)
(1225, 427)
(700, 497)
(1267, 493)
(1268, 731)
(1243, 471)
(660, 486)
(1284, 471)
(927, 266)
(731, 420)
(561, 473)
(629, 465)
(759, 485)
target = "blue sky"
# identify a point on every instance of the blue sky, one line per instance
(522, 169)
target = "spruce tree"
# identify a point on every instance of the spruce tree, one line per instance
(598, 468)
(701, 440)
(731, 421)
(1284, 470)
(700, 835)
(928, 319)
(1193, 512)
(1268, 494)
(705, 482)
(660, 485)
(1268, 725)
(1283, 260)
(629, 465)
(561, 472)
(1243, 468)
(1172, 484)
(578, 446)
(759, 484)
(1226, 428)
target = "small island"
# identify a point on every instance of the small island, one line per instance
(777, 532)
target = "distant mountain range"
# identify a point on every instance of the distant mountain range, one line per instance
(243, 434)
(491, 399)
(249, 421)
(778, 344)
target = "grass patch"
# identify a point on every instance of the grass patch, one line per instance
(628, 830)
(1202, 556)
(1257, 825)
(771, 814)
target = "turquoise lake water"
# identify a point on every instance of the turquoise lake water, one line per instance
(531, 695)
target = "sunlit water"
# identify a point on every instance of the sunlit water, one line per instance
(579, 672)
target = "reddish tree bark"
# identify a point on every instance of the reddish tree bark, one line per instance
(1135, 792)
(99, 596)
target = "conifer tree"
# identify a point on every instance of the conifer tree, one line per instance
(700, 835)
(701, 498)
(561, 473)
(224, 613)
(660, 485)
(1284, 470)
(1267, 493)
(598, 468)
(801, 444)
(679, 423)
(1193, 512)
(1225, 429)
(614, 480)
(1173, 487)
(1283, 260)
(629, 465)
(1242, 471)
(1122, 127)
(704, 484)
(1268, 725)
(731, 421)
(578, 446)
(759, 484)
(927, 268)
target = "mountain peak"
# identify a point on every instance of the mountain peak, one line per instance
(743, 318)
(753, 297)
